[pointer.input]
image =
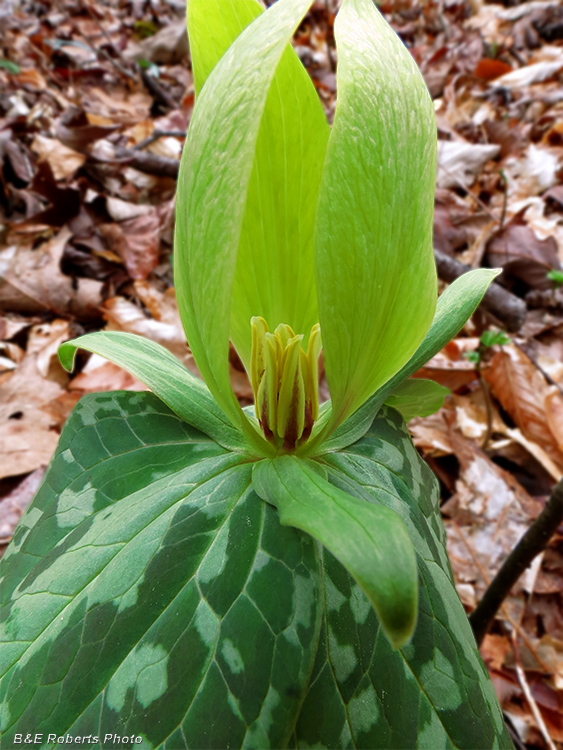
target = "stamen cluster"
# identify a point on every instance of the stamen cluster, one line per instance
(285, 380)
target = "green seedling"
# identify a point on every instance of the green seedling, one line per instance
(487, 340)
(556, 277)
(193, 574)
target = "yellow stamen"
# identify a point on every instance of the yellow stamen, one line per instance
(285, 382)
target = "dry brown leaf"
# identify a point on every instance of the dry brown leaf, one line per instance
(168, 47)
(554, 414)
(494, 650)
(164, 327)
(432, 434)
(487, 516)
(32, 282)
(64, 161)
(459, 162)
(100, 375)
(136, 242)
(14, 504)
(521, 390)
(28, 432)
(117, 106)
(522, 255)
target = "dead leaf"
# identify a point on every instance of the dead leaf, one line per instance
(100, 375)
(517, 250)
(530, 74)
(165, 329)
(28, 433)
(75, 130)
(14, 504)
(554, 414)
(489, 69)
(64, 161)
(521, 390)
(168, 47)
(31, 282)
(486, 517)
(137, 242)
(459, 162)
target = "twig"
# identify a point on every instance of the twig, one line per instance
(508, 308)
(144, 161)
(529, 697)
(514, 736)
(488, 407)
(121, 67)
(154, 87)
(533, 542)
(504, 200)
(151, 84)
(155, 135)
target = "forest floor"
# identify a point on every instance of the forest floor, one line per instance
(96, 99)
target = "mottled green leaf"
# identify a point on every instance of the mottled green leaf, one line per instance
(417, 398)
(149, 591)
(213, 184)
(370, 541)
(376, 277)
(157, 368)
(435, 692)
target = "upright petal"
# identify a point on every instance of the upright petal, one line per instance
(275, 264)
(376, 280)
(215, 172)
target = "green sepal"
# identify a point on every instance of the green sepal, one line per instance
(417, 398)
(455, 306)
(132, 584)
(370, 541)
(160, 371)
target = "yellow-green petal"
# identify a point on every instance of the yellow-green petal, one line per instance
(376, 279)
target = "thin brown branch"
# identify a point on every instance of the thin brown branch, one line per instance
(534, 541)
(506, 307)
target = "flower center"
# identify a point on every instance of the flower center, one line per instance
(285, 381)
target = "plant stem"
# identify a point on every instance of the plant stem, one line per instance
(533, 542)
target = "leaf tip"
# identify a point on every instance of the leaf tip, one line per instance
(67, 355)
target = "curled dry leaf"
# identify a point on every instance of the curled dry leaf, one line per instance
(459, 162)
(522, 391)
(31, 282)
(517, 249)
(137, 240)
(75, 130)
(530, 74)
(64, 161)
(535, 171)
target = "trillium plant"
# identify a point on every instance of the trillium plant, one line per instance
(192, 574)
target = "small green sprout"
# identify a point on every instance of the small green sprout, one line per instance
(556, 277)
(487, 340)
